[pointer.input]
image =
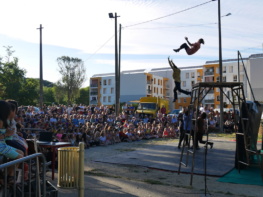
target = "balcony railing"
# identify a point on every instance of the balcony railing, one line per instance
(209, 73)
(93, 93)
(149, 91)
(94, 85)
(209, 100)
(149, 82)
(93, 102)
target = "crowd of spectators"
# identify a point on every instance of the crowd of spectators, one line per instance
(94, 125)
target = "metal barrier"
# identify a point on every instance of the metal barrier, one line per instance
(33, 186)
(71, 168)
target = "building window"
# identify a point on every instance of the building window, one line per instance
(104, 99)
(218, 98)
(184, 83)
(157, 90)
(192, 82)
(105, 82)
(230, 69)
(112, 90)
(161, 91)
(217, 70)
(187, 75)
(217, 79)
(109, 82)
(109, 99)
(224, 79)
(224, 69)
(193, 75)
(184, 100)
(154, 90)
(104, 90)
(154, 81)
(234, 77)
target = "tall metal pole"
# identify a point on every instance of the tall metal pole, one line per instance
(40, 70)
(117, 103)
(220, 66)
(119, 67)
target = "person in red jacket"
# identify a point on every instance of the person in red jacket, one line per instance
(193, 47)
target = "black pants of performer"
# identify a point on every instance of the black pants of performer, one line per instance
(16, 144)
(178, 87)
(181, 138)
(199, 138)
(184, 46)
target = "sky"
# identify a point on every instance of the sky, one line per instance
(151, 30)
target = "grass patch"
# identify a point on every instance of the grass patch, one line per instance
(162, 178)
(96, 172)
(154, 182)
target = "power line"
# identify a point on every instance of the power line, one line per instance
(100, 47)
(169, 14)
(175, 26)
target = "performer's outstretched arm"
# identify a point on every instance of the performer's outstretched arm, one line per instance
(188, 41)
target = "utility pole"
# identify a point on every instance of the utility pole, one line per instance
(117, 81)
(40, 70)
(220, 66)
(119, 68)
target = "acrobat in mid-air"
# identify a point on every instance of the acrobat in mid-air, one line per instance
(177, 80)
(193, 47)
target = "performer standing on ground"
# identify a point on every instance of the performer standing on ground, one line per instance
(193, 47)
(177, 80)
(201, 130)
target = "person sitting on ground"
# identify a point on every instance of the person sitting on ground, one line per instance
(177, 79)
(193, 47)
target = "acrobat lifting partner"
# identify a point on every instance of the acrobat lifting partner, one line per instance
(193, 47)
(177, 80)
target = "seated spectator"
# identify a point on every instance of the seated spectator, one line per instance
(228, 126)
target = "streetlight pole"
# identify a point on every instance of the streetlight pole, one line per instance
(41, 70)
(117, 96)
(220, 66)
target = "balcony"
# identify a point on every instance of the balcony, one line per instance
(209, 100)
(209, 73)
(93, 85)
(149, 81)
(93, 102)
(149, 91)
(94, 93)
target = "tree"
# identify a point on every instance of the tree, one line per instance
(83, 96)
(73, 75)
(11, 77)
(59, 92)
(28, 93)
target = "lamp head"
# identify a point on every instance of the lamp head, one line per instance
(111, 15)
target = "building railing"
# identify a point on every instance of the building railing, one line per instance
(149, 82)
(93, 93)
(28, 181)
(149, 91)
(94, 85)
(209, 73)
(209, 100)
(93, 102)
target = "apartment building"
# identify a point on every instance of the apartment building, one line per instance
(134, 85)
(159, 82)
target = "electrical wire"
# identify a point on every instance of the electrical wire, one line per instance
(169, 14)
(100, 47)
(174, 26)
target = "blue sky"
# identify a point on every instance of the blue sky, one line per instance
(79, 28)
